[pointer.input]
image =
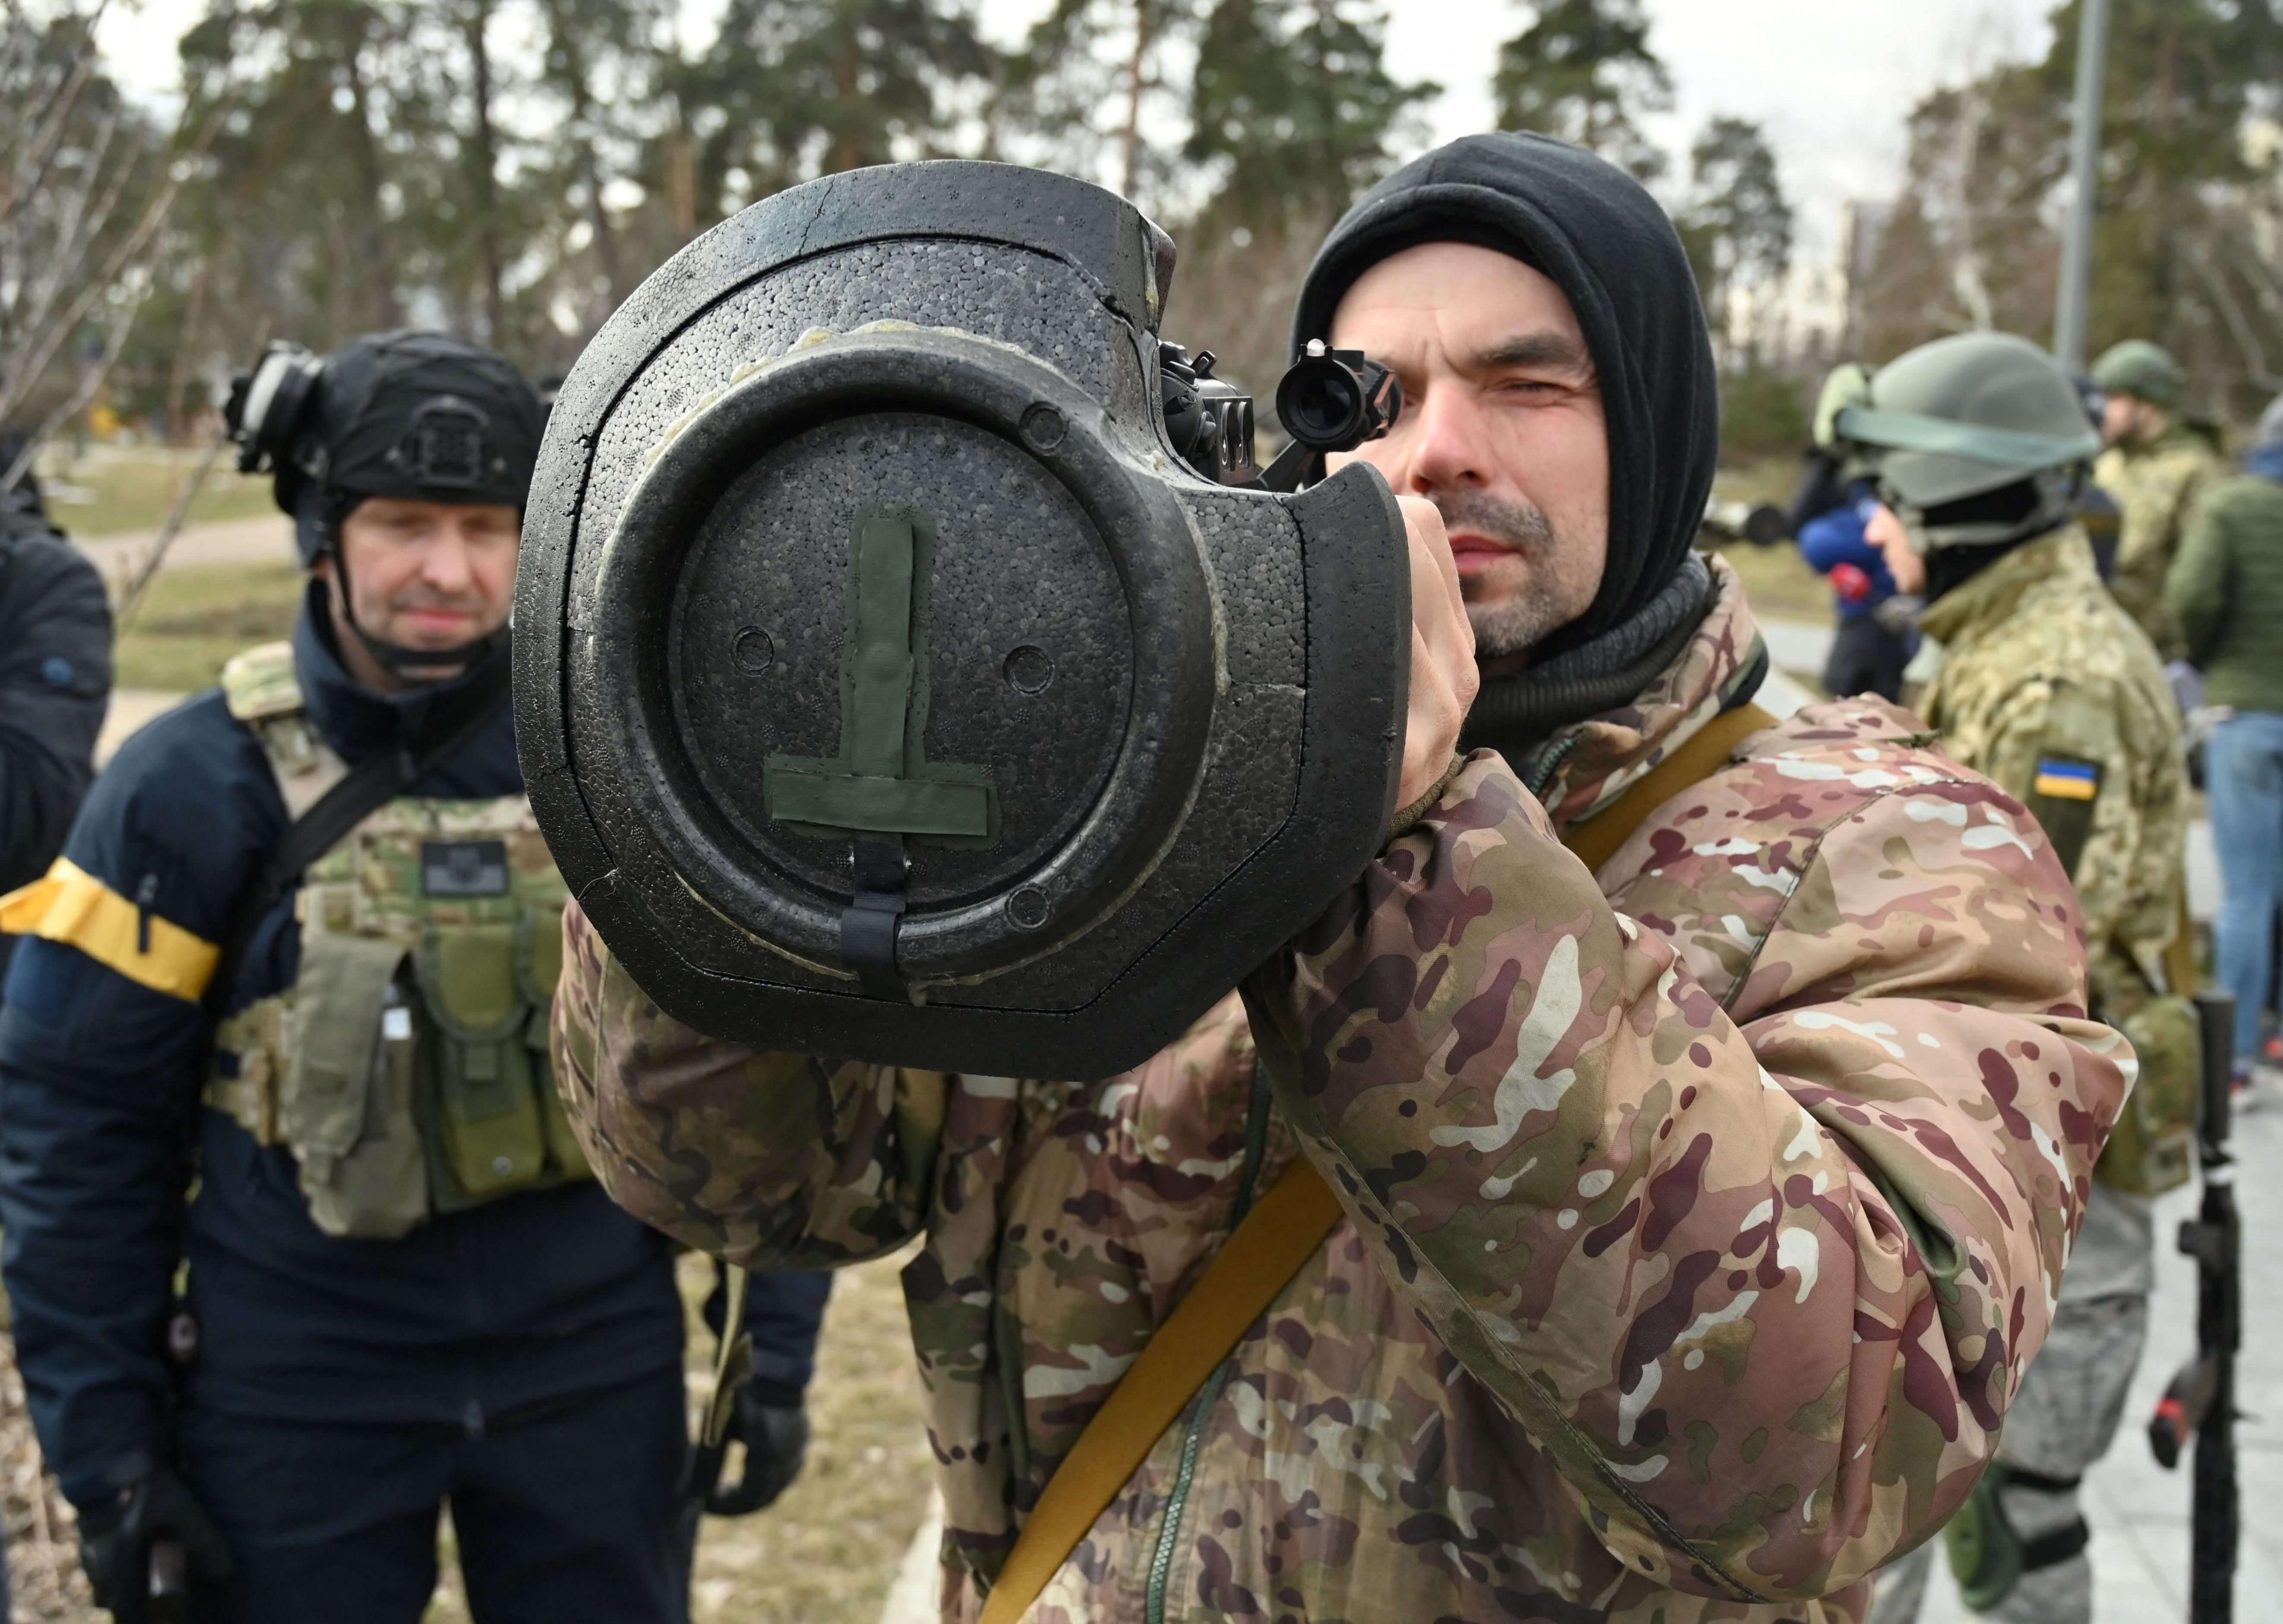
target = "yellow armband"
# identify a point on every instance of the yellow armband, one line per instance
(72, 907)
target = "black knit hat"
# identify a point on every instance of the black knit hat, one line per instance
(1606, 244)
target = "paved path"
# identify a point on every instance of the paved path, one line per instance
(1797, 646)
(266, 540)
(912, 1600)
(2139, 1512)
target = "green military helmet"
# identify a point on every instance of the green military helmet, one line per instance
(2139, 369)
(1966, 416)
(1848, 385)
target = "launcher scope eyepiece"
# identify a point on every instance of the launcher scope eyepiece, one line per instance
(1335, 399)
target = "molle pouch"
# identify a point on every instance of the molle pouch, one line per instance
(248, 1060)
(2153, 1146)
(488, 1139)
(538, 967)
(345, 1105)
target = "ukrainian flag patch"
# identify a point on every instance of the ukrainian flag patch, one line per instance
(2059, 779)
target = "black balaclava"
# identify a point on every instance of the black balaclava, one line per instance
(1607, 244)
(419, 415)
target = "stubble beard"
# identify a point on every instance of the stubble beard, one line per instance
(1516, 601)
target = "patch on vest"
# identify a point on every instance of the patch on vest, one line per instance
(2062, 797)
(2065, 779)
(463, 868)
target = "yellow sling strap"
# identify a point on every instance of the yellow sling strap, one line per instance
(1595, 840)
(1282, 1231)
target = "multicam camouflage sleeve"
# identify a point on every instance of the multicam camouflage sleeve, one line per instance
(1747, 1195)
(771, 1161)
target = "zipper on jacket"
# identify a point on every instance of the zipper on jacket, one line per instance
(1177, 1504)
(147, 897)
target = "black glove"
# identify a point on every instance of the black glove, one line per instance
(115, 1541)
(775, 1436)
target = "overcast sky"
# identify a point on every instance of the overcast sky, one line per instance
(1830, 79)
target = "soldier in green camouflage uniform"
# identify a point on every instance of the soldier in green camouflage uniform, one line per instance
(1701, 1212)
(2158, 469)
(2047, 686)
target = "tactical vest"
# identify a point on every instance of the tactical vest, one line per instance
(407, 1067)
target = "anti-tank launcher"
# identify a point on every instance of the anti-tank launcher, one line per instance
(890, 680)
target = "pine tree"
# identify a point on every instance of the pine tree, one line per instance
(1093, 83)
(827, 85)
(1736, 225)
(1294, 104)
(1293, 113)
(1583, 71)
(333, 146)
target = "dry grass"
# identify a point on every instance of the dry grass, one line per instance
(115, 490)
(1779, 586)
(828, 1551)
(825, 1554)
(45, 1584)
(197, 616)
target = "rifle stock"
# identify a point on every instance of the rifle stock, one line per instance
(2200, 1403)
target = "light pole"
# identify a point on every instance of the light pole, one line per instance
(2085, 168)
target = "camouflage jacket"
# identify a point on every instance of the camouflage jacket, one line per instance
(2157, 486)
(2048, 689)
(1702, 1214)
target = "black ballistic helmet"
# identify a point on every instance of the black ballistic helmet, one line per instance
(417, 415)
(888, 687)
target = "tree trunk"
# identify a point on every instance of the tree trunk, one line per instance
(572, 76)
(186, 343)
(1137, 81)
(484, 149)
(846, 153)
(377, 266)
(681, 179)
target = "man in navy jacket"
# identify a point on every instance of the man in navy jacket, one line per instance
(355, 1339)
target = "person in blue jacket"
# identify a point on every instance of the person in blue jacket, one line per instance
(1871, 644)
(297, 1244)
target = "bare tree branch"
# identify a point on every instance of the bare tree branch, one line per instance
(18, 385)
(50, 122)
(74, 231)
(2255, 355)
(87, 386)
(146, 568)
